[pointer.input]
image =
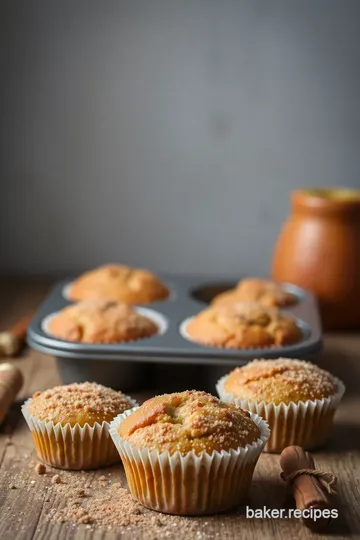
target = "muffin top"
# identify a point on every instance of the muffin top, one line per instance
(100, 321)
(120, 283)
(188, 421)
(243, 325)
(78, 403)
(262, 291)
(280, 381)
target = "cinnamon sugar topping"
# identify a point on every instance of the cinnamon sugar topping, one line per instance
(188, 421)
(281, 380)
(78, 403)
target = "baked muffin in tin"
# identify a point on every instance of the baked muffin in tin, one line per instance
(243, 326)
(262, 291)
(120, 283)
(100, 321)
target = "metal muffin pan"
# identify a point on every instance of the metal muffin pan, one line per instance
(127, 363)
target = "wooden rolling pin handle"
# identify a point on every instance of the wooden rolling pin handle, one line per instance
(11, 381)
(13, 339)
(310, 487)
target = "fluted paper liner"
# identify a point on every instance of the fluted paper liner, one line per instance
(191, 484)
(306, 423)
(72, 447)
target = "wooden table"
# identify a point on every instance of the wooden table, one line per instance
(24, 510)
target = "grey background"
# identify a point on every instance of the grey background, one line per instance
(167, 133)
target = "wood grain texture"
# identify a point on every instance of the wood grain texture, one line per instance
(24, 510)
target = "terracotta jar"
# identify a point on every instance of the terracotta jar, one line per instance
(319, 249)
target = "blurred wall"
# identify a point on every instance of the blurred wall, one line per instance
(169, 133)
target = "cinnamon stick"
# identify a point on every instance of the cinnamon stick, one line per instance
(311, 488)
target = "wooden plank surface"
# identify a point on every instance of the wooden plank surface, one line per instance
(27, 499)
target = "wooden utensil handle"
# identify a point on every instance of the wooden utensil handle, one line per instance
(19, 329)
(11, 380)
(13, 339)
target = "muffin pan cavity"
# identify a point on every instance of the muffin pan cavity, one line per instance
(160, 320)
(206, 293)
(171, 345)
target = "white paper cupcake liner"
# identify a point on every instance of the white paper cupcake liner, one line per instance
(72, 447)
(307, 424)
(191, 484)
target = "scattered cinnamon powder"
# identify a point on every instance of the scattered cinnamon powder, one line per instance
(56, 479)
(40, 468)
(116, 508)
(107, 507)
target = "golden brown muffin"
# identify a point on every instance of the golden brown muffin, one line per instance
(280, 381)
(78, 403)
(243, 326)
(100, 321)
(262, 291)
(189, 453)
(188, 421)
(70, 424)
(296, 398)
(120, 283)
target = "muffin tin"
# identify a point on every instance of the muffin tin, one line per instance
(125, 363)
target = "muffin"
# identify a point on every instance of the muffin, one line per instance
(296, 398)
(262, 291)
(189, 453)
(120, 283)
(243, 326)
(100, 321)
(70, 424)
